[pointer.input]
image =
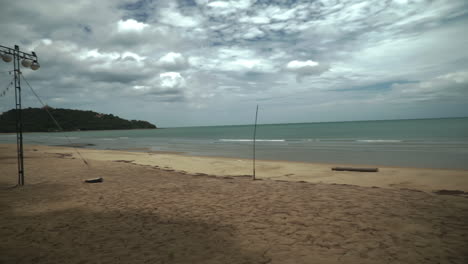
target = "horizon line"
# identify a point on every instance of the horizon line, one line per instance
(365, 120)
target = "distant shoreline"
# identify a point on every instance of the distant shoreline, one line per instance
(39, 120)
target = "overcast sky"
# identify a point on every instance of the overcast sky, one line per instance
(200, 62)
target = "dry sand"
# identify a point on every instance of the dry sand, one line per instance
(146, 213)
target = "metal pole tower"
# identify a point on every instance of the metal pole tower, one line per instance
(28, 60)
(19, 116)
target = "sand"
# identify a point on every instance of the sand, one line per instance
(388, 177)
(148, 210)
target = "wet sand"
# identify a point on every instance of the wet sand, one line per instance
(388, 177)
(152, 209)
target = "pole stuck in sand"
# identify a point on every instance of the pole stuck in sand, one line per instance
(254, 137)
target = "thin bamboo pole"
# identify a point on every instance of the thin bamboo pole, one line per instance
(254, 139)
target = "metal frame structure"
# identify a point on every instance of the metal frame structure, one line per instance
(29, 60)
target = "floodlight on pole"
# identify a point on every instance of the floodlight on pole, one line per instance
(26, 63)
(27, 60)
(6, 57)
(35, 66)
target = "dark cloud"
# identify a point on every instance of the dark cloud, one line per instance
(198, 55)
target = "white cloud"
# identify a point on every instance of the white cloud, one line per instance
(173, 61)
(166, 87)
(94, 54)
(219, 4)
(249, 65)
(457, 77)
(234, 4)
(282, 15)
(306, 68)
(46, 41)
(172, 16)
(132, 55)
(253, 33)
(130, 25)
(298, 65)
(225, 8)
(255, 19)
(451, 85)
(140, 87)
(172, 80)
(401, 2)
(233, 59)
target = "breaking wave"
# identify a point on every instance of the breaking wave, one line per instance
(251, 140)
(379, 140)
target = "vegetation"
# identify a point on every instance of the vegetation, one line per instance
(38, 120)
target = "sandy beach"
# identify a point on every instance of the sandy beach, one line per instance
(170, 208)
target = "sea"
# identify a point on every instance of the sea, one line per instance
(422, 143)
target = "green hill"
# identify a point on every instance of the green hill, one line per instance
(37, 120)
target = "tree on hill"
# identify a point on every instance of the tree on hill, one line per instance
(38, 120)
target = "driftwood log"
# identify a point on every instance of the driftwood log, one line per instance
(450, 192)
(355, 169)
(95, 180)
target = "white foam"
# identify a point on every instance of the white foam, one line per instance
(251, 140)
(379, 140)
(67, 137)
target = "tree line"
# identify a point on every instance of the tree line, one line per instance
(38, 120)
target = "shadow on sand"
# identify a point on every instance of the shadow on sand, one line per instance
(81, 235)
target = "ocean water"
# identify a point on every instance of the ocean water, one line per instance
(424, 143)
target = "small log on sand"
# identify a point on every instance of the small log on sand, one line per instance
(95, 180)
(449, 192)
(355, 169)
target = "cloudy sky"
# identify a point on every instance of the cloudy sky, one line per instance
(205, 62)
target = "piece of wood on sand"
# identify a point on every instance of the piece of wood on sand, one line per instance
(355, 169)
(95, 180)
